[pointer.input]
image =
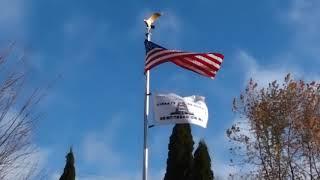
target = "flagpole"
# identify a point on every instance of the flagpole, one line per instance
(146, 115)
(149, 23)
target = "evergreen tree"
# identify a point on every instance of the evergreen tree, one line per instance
(69, 172)
(179, 162)
(202, 163)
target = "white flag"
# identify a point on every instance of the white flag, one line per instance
(173, 109)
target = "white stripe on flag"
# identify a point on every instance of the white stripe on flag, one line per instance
(163, 52)
(200, 65)
(215, 57)
(166, 57)
(183, 64)
(208, 61)
(153, 50)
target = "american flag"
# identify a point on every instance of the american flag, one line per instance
(206, 64)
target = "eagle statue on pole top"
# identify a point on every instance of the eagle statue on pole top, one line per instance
(149, 22)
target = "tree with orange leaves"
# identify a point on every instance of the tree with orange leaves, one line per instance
(278, 136)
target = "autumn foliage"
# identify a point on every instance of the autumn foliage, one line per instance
(278, 136)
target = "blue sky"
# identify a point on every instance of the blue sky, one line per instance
(97, 48)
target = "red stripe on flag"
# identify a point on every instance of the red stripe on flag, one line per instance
(158, 55)
(153, 51)
(165, 58)
(206, 64)
(212, 59)
(155, 64)
(219, 55)
(191, 66)
(199, 65)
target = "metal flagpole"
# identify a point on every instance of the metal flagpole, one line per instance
(146, 114)
(149, 22)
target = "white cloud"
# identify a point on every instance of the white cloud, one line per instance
(221, 162)
(303, 17)
(222, 169)
(303, 20)
(54, 176)
(220, 159)
(263, 74)
(116, 177)
(94, 146)
(121, 176)
(96, 143)
(102, 142)
(11, 12)
(12, 19)
(32, 166)
(29, 159)
(124, 176)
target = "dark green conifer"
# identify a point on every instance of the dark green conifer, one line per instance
(69, 172)
(202, 163)
(179, 162)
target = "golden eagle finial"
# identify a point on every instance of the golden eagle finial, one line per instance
(149, 22)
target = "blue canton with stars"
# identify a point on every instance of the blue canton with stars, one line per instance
(150, 45)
